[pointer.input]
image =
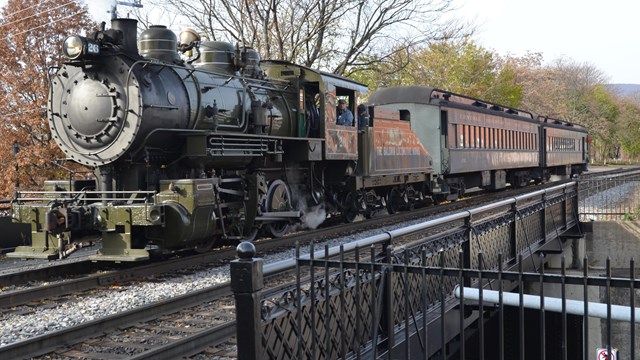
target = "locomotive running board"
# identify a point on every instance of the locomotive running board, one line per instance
(279, 215)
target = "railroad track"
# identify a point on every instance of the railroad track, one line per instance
(163, 328)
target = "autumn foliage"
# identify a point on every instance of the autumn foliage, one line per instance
(32, 32)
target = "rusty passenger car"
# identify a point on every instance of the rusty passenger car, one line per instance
(479, 144)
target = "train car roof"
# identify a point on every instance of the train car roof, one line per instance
(402, 94)
(341, 81)
(546, 121)
(434, 96)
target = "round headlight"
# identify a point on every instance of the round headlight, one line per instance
(72, 47)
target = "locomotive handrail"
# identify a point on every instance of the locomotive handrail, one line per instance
(131, 196)
(89, 192)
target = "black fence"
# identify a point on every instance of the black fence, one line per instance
(392, 295)
(396, 306)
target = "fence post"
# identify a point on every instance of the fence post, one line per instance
(246, 283)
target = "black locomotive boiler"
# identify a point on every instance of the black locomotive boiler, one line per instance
(194, 142)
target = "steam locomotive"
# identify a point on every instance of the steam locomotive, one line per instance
(195, 142)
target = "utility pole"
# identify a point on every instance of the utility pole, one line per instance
(131, 3)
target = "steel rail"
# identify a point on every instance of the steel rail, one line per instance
(43, 344)
(191, 343)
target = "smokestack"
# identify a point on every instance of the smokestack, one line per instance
(129, 29)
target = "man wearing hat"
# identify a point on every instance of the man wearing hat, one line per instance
(345, 116)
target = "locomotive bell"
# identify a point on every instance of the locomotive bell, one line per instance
(187, 37)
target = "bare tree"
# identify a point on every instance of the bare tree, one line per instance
(334, 35)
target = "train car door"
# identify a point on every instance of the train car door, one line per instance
(444, 137)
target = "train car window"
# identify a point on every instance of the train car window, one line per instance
(503, 139)
(490, 136)
(405, 115)
(467, 136)
(508, 139)
(444, 129)
(532, 138)
(454, 131)
(533, 141)
(460, 135)
(472, 136)
(487, 138)
(519, 140)
(483, 141)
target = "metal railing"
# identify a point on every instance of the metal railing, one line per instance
(610, 197)
(364, 300)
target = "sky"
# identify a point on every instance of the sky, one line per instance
(600, 33)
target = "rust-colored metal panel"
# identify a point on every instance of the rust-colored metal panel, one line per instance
(341, 142)
(394, 148)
